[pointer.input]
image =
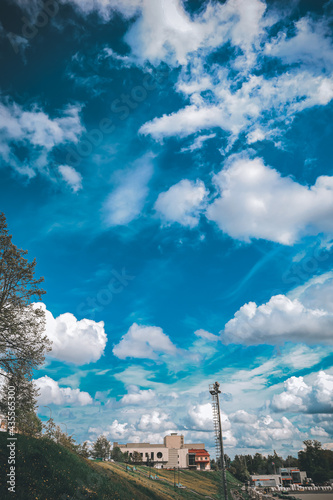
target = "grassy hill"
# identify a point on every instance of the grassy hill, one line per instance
(48, 471)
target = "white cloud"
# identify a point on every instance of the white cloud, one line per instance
(144, 342)
(74, 341)
(246, 107)
(137, 396)
(242, 417)
(198, 142)
(201, 418)
(311, 45)
(51, 393)
(71, 176)
(36, 131)
(257, 202)
(115, 431)
(166, 32)
(104, 8)
(265, 432)
(182, 203)
(207, 335)
(257, 104)
(155, 422)
(126, 202)
(319, 431)
(299, 396)
(307, 318)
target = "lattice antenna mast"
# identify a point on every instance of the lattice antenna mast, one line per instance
(214, 389)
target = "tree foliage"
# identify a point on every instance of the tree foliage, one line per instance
(117, 455)
(22, 340)
(54, 433)
(83, 450)
(317, 462)
(25, 394)
(101, 448)
(136, 457)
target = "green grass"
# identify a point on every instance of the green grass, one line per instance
(48, 471)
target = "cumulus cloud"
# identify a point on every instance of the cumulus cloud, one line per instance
(115, 431)
(144, 342)
(136, 396)
(126, 201)
(266, 431)
(71, 176)
(257, 202)
(319, 431)
(74, 341)
(182, 203)
(299, 396)
(51, 393)
(201, 417)
(307, 318)
(155, 422)
(242, 417)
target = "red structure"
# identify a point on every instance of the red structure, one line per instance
(198, 459)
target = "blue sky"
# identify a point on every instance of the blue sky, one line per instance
(169, 165)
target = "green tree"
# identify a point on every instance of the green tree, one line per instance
(23, 394)
(213, 465)
(23, 343)
(83, 449)
(50, 429)
(136, 457)
(239, 468)
(259, 464)
(290, 461)
(316, 461)
(101, 448)
(117, 455)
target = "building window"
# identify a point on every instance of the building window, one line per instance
(152, 455)
(159, 454)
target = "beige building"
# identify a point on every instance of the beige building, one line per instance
(172, 453)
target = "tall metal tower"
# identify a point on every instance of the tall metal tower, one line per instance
(214, 389)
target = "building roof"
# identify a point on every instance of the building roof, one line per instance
(200, 452)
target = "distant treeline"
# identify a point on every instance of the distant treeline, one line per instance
(317, 462)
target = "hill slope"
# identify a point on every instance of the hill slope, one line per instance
(48, 471)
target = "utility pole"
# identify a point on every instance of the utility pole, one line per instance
(214, 390)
